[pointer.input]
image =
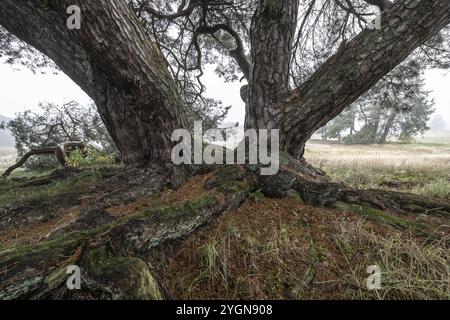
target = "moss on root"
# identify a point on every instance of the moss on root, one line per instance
(381, 217)
(33, 271)
(167, 213)
(228, 179)
(121, 277)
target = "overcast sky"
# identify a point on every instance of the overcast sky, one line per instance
(21, 90)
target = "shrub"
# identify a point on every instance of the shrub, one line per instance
(93, 158)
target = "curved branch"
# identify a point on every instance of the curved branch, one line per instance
(357, 66)
(21, 162)
(181, 12)
(238, 53)
(60, 153)
(382, 4)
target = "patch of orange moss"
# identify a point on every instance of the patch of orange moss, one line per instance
(193, 189)
(36, 233)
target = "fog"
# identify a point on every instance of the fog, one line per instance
(21, 89)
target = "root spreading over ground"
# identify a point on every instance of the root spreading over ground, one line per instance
(218, 236)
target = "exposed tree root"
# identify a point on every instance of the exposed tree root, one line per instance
(327, 194)
(316, 189)
(110, 254)
(111, 250)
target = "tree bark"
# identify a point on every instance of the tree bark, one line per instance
(342, 79)
(272, 33)
(112, 59)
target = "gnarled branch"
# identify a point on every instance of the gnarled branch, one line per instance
(357, 66)
(60, 153)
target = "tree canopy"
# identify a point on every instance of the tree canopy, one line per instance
(304, 62)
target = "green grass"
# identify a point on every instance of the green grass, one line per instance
(410, 268)
(12, 190)
(433, 182)
(439, 188)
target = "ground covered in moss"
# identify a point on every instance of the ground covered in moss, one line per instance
(216, 237)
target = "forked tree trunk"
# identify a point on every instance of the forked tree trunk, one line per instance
(112, 59)
(353, 70)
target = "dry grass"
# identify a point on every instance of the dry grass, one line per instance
(400, 156)
(411, 268)
(35, 233)
(191, 190)
(419, 168)
(282, 249)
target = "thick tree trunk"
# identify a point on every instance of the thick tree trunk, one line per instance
(353, 70)
(112, 59)
(272, 33)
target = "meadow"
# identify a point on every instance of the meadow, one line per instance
(7, 158)
(422, 167)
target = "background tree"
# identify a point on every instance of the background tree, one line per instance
(398, 106)
(6, 139)
(55, 125)
(340, 127)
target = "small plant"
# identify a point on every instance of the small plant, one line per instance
(256, 196)
(93, 157)
(215, 271)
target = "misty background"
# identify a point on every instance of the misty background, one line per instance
(21, 89)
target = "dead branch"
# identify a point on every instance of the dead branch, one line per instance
(60, 152)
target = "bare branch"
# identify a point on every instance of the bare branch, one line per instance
(238, 53)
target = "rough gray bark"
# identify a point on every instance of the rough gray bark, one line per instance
(272, 33)
(114, 62)
(352, 71)
(357, 66)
